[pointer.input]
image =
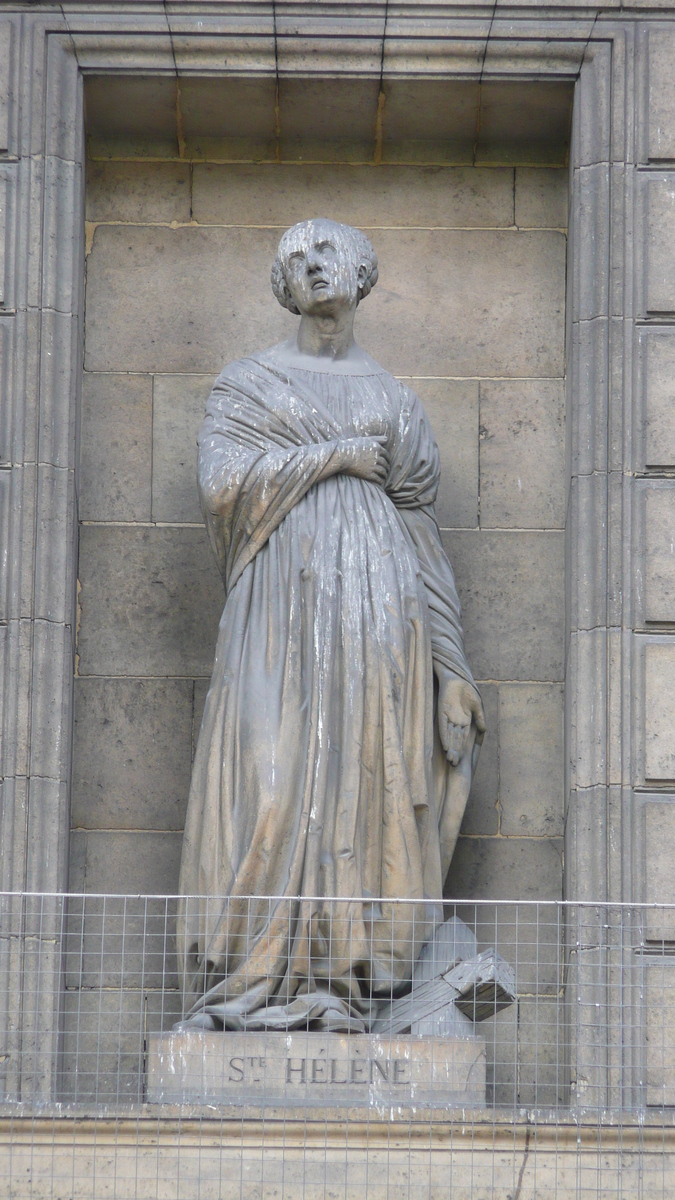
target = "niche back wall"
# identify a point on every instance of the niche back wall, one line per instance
(188, 192)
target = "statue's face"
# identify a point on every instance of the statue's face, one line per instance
(320, 271)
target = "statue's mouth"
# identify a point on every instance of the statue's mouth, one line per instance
(319, 283)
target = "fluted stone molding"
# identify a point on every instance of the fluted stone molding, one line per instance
(41, 367)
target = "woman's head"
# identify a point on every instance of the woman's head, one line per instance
(321, 265)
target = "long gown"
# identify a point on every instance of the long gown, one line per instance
(320, 793)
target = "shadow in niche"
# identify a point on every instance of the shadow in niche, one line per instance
(422, 120)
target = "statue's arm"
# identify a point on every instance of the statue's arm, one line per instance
(246, 492)
(228, 472)
(412, 485)
(459, 703)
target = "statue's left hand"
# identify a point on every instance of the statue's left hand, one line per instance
(458, 705)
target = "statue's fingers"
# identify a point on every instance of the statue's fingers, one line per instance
(455, 741)
(479, 718)
(448, 739)
(473, 708)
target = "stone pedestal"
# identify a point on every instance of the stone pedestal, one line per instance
(315, 1069)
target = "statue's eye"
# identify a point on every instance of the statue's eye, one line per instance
(296, 258)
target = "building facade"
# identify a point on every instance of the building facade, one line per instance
(514, 166)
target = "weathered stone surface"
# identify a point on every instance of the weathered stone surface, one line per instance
(428, 1010)
(521, 121)
(103, 1046)
(506, 869)
(151, 600)
(452, 942)
(5, 85)
(310, 1069)
(54, 569)
(660, 259)
(501, 1049)
(166, 298)
(138, 191)
(452, 407)
(468, 319)
(210, 1159)
(592, 125)
(486, 985)
(528, 936)
(542, 197)
(104, 1042)
(328, 126)
(590, 297)
(660, 1036)
(658, 347)
(661, 93)
(178, 411)
(482, 815)
(512, 594)
(588, 654)
(531, 762)
(658, 867)
(366, 196)
(120, 942)
(543, 1052)
(125, 863)
(589, 360)
(660, 554)
(522, 454)
(116, 448)
(60, 358)
(132, 116)
(132, 751)
(201, 687)
(228, 117)
(660, 711)
(5, 194)
(430, 119)
(586, 818)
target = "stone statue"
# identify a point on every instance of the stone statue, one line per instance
(342, 723)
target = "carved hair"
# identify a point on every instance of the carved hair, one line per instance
(348, 240)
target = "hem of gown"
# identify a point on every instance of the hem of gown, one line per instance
(317, 1011)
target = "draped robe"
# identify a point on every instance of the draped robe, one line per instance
(319, 772)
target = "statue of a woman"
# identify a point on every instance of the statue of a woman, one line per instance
(341, 725)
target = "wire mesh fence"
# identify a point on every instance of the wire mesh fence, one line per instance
(207, 1046)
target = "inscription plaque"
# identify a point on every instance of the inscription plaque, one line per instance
(326, 1069)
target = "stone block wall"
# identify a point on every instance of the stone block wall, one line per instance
(469, 309)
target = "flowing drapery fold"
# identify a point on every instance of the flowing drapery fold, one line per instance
(319, 771)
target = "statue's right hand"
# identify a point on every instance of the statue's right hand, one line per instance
(367, 458)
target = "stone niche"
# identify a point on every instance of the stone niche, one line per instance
(188, 190)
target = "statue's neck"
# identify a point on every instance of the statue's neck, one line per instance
(327, 337)
(355, 362)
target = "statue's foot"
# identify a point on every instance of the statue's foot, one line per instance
(201, 1020)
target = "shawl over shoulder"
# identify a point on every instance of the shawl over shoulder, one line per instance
(266, 440)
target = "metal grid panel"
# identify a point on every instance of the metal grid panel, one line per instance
(566, 1091)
